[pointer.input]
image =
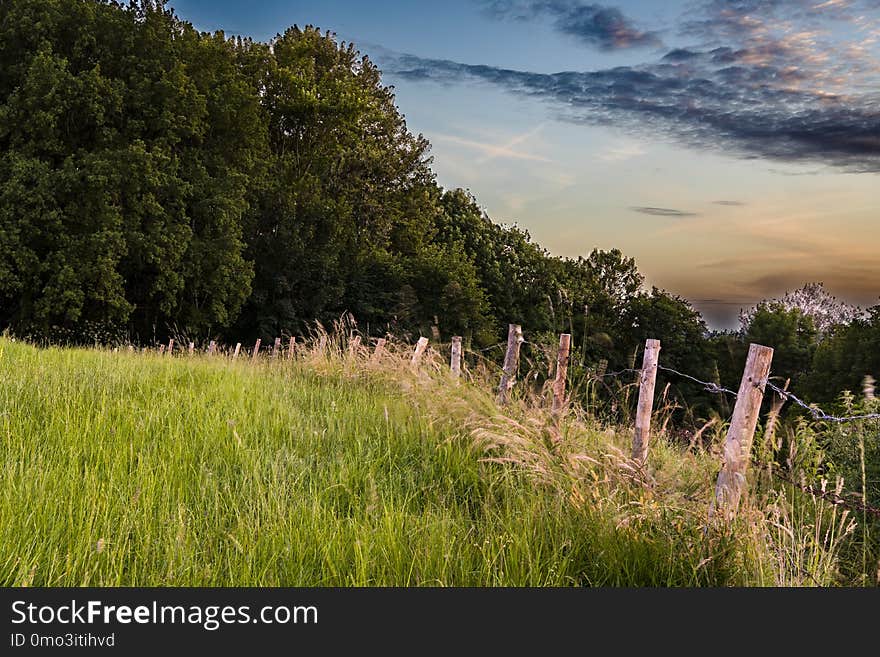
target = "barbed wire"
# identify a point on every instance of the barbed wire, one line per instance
(817, 412)
(714, 388)
(831, 496)
(709, 386)
(628, 370)
(493, 346)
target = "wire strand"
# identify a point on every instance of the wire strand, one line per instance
(817, 412)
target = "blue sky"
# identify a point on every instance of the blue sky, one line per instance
(732, 147)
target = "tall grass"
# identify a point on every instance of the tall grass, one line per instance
(328, 469)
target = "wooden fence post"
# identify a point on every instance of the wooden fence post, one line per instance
(738, 444)
(455, 359)
(421, 345)
(647, 382)
(161, 349)
(354, 345)
(256, 349)
(192, 347)
(511, 362)
(377, 352)
(276, 348)
(237, 349)
(561, 372)
(170, 346)
(291, 348)
(212, 346)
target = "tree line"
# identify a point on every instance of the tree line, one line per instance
(156, 180)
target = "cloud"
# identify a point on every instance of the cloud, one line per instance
(794, 81)
(662, 212)
(736, 108)
(730, 203)
(801, 40)
(605, 28)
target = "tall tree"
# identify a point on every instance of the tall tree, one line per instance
(127, 140)
(347, 189)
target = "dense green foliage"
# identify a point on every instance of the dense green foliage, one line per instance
(128, 142)
(156, 181)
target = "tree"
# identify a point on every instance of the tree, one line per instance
(347, 196)
(790, 332)
(814, 302)
(842, 361)
(127, 141)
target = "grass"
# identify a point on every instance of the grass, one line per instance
(131, 469)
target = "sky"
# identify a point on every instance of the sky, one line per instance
(732, 147)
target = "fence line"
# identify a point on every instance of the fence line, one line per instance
(817, 412)
(738, 440)
(709, 386)
(715, 388)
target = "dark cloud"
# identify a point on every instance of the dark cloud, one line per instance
(731, 203)
(763, 82)
(605, 28)
(680, 55)
(662, 212)
(718, 20)
(795, 37)
(738, 110)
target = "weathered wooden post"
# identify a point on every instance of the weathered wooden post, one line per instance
(354, 346)
(192, 348)
(377, 352)
(738, 444)
(276, 348)
(161, 349)
(647, 382)
(212, 347)
(237, 349)
(455, 359)
(561, 372)
(511, 362)
(292, 348)
(256, 349)
(421, 345)
(170, 346)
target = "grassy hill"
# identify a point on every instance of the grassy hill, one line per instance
(121, 468)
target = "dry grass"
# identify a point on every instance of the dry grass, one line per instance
(336, 465)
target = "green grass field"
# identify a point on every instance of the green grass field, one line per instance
(142, 470)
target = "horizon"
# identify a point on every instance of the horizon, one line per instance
(731, 148)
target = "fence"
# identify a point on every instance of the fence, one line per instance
(736, 451)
